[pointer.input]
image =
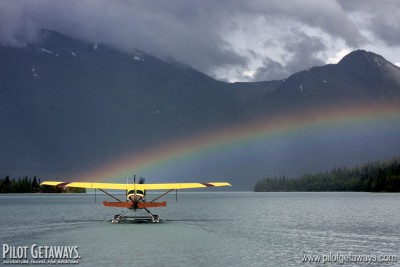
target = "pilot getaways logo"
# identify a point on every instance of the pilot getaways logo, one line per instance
(40, 254)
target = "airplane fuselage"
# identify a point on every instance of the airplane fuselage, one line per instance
(135, 195)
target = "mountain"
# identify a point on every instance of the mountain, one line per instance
(67, 106)
(64, 101)
(358, 78)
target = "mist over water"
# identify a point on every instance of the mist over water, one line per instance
(209, 229)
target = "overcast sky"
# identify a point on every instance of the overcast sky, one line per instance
(231, 40)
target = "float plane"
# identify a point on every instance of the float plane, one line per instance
(135, 195)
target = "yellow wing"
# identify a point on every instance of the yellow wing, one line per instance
(138, 186)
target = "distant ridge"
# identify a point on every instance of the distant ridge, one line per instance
(379, 176)
(358, 78)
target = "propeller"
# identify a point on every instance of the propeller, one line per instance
(126, 191)
(134, 200)
(134, 187)
(142, 180)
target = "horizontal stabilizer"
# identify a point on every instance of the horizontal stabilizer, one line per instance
(142, 205)
(118, 204)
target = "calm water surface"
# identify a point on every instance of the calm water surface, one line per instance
(210, 229)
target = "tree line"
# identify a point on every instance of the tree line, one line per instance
(29, 185)
(379, 176)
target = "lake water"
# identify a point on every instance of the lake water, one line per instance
(211, 229)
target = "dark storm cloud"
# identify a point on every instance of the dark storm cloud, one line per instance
(270, 70)
(184, 30)
(382, 18)
(198, 33)
(303, 52)
(325, 15)
(14, 29)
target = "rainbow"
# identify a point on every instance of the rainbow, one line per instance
(324, 119)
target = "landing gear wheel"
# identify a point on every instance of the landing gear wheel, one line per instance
(155, 219)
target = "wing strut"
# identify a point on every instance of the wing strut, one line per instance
(109, 195)
(162, 195)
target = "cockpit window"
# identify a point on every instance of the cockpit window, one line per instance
(140, 192)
